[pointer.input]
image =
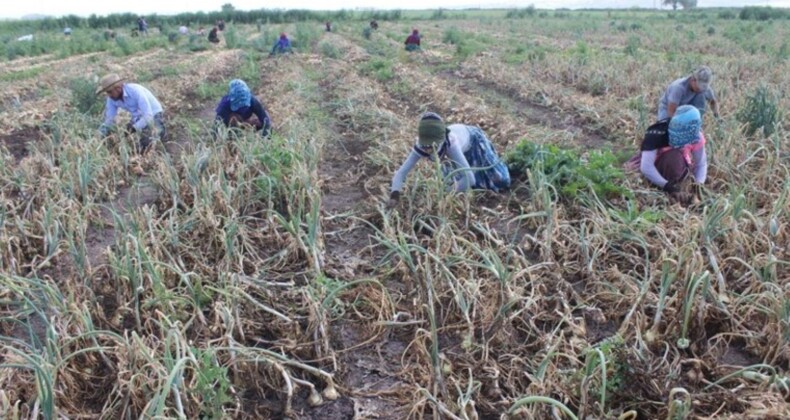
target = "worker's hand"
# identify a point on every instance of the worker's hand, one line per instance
(104, 131)
(698, 190)
(234, 120)
(130, 128)
(671, 187)
(394, 199)
(681, 197)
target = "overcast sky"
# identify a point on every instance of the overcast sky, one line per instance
(16, 9)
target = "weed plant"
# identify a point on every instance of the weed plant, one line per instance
(568, 172)
(760, 113)
(83, 96)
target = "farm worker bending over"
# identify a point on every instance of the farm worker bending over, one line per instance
(413, 41)
(282, 45)
(212, 36)
(142, 26)
(671, 149)
(465, 151)
(147, 115)
(240, 106)
(690, 90)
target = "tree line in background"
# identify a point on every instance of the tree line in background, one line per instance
(229, 13)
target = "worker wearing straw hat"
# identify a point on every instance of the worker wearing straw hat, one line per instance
(147, 114)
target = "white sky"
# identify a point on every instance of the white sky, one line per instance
(16, 9)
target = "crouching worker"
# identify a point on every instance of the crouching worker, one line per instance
(673, 148)
(147, 115)
(282, 45)
(212, 36)
(239, 108)
(466, 151)
(413, 41)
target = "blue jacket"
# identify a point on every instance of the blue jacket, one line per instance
(224, 112)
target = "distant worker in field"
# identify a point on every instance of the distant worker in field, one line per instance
(693, 89)
(183, 30)
(240, 108)
(328, 26)
(221, 25)
(673, 148)
(142, 26)
(466, 154)
(67, 31)
(374, 25)
(282, 45)
(212, 36)
(147, 114)
(413, 41)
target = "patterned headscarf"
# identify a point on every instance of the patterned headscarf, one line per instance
(684, 127)
(240, 95)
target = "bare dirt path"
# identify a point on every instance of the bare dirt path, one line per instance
(368, 372)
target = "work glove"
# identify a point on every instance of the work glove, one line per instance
(671, 187)
(394, 199)
(683, 198)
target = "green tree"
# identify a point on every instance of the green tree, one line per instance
(685, 4)
(228, 8)
(688, 4)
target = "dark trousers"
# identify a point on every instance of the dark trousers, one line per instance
(672, 166)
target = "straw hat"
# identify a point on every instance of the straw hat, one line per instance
(107, 82)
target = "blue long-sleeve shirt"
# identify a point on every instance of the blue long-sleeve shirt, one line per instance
(282, 45)
(138, 101)
(223, 112)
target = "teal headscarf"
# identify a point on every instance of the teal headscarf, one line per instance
(684, 127)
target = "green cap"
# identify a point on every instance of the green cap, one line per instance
(431, 132)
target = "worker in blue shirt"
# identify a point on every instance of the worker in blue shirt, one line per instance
(241, 106)
(147, 114)
(282, 45)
